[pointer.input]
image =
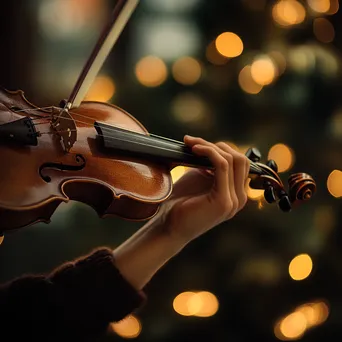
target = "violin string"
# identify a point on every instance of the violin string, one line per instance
(253, 165)
(107, 128)
(110, 129)
(90, 124)
(125, 140)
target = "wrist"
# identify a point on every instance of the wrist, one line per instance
(166, 231)
(146, 251)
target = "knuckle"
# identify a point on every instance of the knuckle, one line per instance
(229, 158)
(224, 164)
(221, 144)
(235, 204)
(239, 160)
(200, 141)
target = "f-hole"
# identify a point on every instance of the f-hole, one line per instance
(80, 163)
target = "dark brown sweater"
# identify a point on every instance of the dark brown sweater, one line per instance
(77, 301)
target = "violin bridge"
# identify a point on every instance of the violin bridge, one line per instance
(64, 125)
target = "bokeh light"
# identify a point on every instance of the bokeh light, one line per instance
(288, 12)
(102, 89)
(334, 183)
(229, 44)
(263, 70)
(319, 6)
(300, 267)
(188, 107)
(187, 70)
(129, 327)
(151, 71)
(247, 83)
(293, 326)
(304, 317)
(200, 304)
(213, 56)
(323, 30)
(177, 172)
(283, 155)
(334, 7)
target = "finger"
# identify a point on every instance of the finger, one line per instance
(234, 201)
(220, 164)
(232, 188)
(240, 172)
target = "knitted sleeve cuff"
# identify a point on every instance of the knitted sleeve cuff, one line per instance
(92, 289)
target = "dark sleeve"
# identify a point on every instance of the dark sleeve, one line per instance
(77, 300)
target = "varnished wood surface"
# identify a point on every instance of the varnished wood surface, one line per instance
(110, 184)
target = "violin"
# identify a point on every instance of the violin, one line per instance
(99, 154)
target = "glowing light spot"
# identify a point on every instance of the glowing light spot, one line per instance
(323, 30)
(334, 7)
(177, 172)
(102, 89)
(247, 83)
(229, 44)
(203, 304)
(300, 267)
(283, 156)
(151, 71)
(180, 303)
(280, 61)
(334, 183)
(293, 326)
(188, 107)
(129, 327)
(213, 56)
(321, 312)
(288, 13)
(263, 70)
(200, 304)
(319, 6)
(315, 313)
(187, 70)
(255, 194)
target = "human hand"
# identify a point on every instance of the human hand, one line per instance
(202, 200)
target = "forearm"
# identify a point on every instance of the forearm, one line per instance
(79, 297)
(145, 252)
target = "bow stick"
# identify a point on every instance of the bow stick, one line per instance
(109, 36)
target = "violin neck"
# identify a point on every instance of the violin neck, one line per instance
(152, 147)
(163, 150)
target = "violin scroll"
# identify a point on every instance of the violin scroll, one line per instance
(301, 187)
(265, 177)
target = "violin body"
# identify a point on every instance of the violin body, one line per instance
(34, 180)
(99, 154)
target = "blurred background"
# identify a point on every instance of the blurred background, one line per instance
(249, 72)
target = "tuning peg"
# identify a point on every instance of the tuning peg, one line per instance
(285, 204)
(253, 154)
(272, 164)
(269, 195)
